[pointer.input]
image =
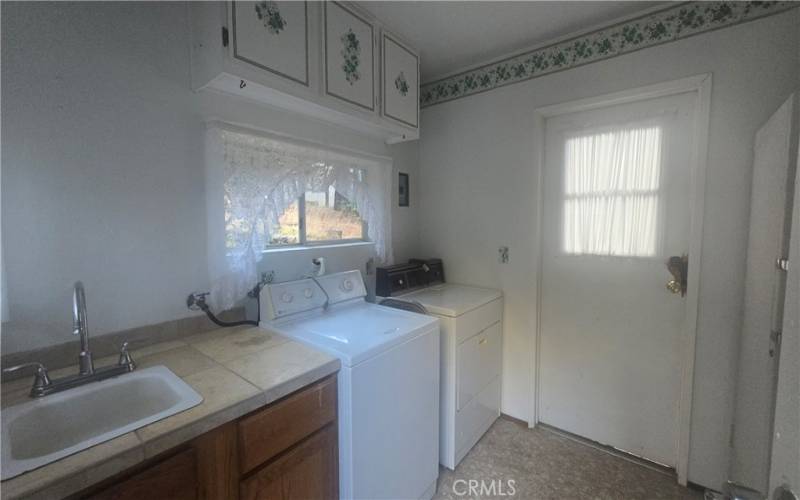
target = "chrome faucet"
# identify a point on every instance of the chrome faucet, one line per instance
(44, 385)
(80, 327)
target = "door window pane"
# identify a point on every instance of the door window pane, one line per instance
(611, 192)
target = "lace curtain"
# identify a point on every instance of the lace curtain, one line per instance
(252, 178)
(612, 192)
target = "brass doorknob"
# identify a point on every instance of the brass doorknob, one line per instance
(674, 286)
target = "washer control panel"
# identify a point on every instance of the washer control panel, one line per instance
(291, 297)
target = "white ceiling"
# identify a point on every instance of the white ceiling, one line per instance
(455, 35)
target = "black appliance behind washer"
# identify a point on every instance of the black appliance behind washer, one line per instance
(400, 278)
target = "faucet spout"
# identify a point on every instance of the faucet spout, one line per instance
(44, 385)
(81, 328)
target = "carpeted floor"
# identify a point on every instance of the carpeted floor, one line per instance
(545, 465)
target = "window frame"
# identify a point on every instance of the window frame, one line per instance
(302, 240)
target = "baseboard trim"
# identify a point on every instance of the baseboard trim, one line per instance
(513, 419)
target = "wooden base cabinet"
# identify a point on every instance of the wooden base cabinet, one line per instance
(174, 477)
(287, 450)
(307, 471)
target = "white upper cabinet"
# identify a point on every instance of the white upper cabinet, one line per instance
(321, 59)
(400, 81)
(350, 56)
(273, 36)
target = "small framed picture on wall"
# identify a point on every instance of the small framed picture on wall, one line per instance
(403, 189)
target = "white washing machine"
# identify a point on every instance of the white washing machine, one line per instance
(388, 383)
(471, 348)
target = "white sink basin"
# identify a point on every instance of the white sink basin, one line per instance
(44, 430)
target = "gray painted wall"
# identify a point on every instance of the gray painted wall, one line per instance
(478, 183)
(102, 167)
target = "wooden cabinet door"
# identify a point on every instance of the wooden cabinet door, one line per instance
(218, 463)
(174, 478)
(309, 470)
(266, 433)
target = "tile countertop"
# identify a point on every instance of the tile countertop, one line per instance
(236, 370)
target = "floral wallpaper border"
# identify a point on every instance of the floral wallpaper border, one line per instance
(672, 23)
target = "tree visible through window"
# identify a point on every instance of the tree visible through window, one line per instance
(318, 217)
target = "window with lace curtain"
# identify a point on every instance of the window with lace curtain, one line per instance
(266, 193)
(318, 216)
(612, 192)
(325, 216)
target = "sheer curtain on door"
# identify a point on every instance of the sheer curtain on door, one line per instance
(611, 192)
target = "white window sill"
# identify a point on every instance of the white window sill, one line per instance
(301, 248)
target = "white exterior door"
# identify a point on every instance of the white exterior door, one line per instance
(616, 208)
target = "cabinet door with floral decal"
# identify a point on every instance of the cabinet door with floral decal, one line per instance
(273, 36)
(349, 56)
(400, 77)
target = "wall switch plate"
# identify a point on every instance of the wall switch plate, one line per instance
(503, 257)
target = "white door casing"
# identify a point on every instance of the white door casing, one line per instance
(785, 458)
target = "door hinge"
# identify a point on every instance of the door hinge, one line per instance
(774, 342)
(782, 264)
(224, 36)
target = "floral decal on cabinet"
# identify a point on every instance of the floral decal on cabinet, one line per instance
(672, 23)
(270, 15)
(351, 52)
(401, 84)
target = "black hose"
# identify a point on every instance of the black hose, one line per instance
(198, 300)
(226, 324)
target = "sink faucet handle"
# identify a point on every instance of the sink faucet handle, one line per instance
(41, 380)
(125, 358)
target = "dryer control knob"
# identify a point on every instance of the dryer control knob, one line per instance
(286, 297)
(347, 286)
(308, 293)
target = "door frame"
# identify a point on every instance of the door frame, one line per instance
(701, 84)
